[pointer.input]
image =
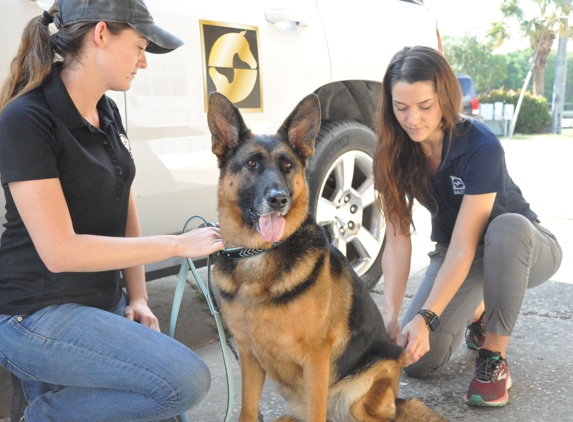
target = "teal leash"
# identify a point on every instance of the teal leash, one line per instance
(187, 265)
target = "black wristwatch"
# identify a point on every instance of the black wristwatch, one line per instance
(432, 320)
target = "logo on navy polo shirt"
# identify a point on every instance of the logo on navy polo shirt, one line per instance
(126, 143)
(458, 185)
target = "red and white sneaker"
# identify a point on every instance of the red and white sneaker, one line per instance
(491, 381)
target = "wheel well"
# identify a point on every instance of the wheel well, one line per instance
(350, 100)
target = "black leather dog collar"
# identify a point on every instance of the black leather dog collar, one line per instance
(239, 253)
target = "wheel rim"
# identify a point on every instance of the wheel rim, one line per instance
(346, 209)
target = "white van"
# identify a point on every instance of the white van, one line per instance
(265, 55)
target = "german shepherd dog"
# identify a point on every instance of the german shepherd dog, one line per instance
(298, 311)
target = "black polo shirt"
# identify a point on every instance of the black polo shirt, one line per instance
(43, 136)
(473, 163)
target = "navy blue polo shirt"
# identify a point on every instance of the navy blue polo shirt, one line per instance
(43, 136)
(473, 163)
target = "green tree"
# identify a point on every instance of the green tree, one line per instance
(516, 68)
(467, 55)
(541, 30)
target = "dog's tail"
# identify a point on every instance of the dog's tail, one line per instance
(415, 411)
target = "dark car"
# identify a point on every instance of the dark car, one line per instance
(469, 95)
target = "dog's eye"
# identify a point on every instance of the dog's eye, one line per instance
(287, 165)
(251, 163)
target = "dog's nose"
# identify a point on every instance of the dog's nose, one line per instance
(277, 199)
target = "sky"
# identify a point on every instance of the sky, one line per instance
(456, 17)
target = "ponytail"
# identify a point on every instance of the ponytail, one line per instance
(39, 48)
(33, 62)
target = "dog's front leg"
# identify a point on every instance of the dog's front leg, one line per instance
(317, 377)
(252, 381)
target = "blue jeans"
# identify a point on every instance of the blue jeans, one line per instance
(84, 364)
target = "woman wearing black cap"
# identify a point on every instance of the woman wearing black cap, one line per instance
(84, 350)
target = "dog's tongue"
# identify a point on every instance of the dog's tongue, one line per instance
(272, 227)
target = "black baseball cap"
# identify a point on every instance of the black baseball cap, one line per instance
(132, 12)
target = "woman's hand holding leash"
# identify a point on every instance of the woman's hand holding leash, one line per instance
(201, 242)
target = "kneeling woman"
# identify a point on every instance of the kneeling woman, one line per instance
(81, 349)
(489, 243)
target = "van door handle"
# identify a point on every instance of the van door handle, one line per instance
(286, 19)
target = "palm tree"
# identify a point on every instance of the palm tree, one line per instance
(541, 30)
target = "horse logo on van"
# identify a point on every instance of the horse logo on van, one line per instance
(231, 64)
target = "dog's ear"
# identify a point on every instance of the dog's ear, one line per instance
(225, 123)
(302, 125)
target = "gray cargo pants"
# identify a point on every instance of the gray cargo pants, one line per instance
(517, 255)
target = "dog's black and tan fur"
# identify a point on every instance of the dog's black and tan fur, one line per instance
(298, 312)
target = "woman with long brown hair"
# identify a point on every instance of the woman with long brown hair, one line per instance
(83, 348)
(489, 243)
